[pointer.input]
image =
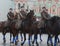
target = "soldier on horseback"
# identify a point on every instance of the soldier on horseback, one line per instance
(23, 13)
(45, 15)
(10, 16)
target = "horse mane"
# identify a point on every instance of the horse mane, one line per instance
(54, 19)
(30, 14)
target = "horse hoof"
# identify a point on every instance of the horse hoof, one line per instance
(33, 42)
(41, 40)
(21, 44)
(12, 44)
(33, 45)
(16, 43)
(21, 40)
(17, 40)
(37, 44)
(58, 41)
(4, 41)
(47, 44)
(29, 44)
(51, 44)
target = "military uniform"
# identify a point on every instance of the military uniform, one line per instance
(23, 13)
(10, 17)
(45, 16)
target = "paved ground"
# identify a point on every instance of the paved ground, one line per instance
(44, 38)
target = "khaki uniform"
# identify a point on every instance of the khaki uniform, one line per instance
(23, 14)
(10, 17)
(45, 16)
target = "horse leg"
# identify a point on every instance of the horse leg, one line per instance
(58, 39)
(17, 40)
(4, 39)
(10, 37)
(13, 41)
(33, 40)
(51, 41)
(48, 39)
(30, 37)
(55, 41)
(40, 38)
(21, 36)
(24, 39)
(36, 39)
(4, 33)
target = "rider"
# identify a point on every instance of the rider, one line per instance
(44, 14)
(10, 15)
(23, 12)
(15, 14)
(30, 14)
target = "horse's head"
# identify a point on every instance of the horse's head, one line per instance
(54, 19)
(30, 14)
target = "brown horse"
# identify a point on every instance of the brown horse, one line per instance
(52, 27)
(15, 27)
(4, 28)
(29, 26)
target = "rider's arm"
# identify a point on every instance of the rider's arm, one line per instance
(21, 15)
(45, 17)
(8, 16)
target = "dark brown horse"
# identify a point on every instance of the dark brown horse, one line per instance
(51, 27)
(4, 28)
(15, 27)
(29, 25)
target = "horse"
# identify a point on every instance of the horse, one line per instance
(42, 29)
(28, 26)
(15, 28)
(4, 28)
(35, 31)
(53, 27)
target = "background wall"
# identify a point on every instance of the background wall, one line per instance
(53, 6)
(4, 8)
